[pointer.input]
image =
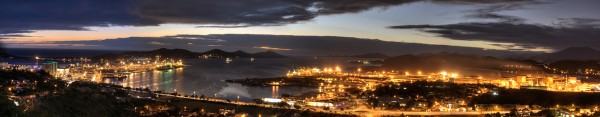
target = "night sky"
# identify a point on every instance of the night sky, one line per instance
(303, 27)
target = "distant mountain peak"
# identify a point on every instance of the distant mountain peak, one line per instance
(372, 55)
(240, 53)
(578, 49)
(571, 53)
(183, 53)
(170, 50)
(268, 54)
(215, 50)
(269, 51)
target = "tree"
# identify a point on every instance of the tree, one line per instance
(297, 106)
(285, 95)
(8, 108)
(121, 93)
(283, 104)
(373, 101)
(513, 112)
(258, 101)
(546, 113)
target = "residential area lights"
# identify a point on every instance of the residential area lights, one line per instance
(550, 83)
(85, 69)
(335, 85)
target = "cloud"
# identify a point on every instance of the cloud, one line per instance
(9, 36)
(50, 45)
(580, 23)
(224, 26)
(196, 37)
(159, 43)
(491, 12)
(490, 9)
(25, 16)
(579, 32)
(271, 48)
(213, 45)
(294, 45)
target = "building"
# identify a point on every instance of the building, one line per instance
(62, 72)
(5, 65)
(51, 67)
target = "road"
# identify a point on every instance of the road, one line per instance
(361, 110)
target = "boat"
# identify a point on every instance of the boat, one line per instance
(228, 60)
(355, 61)
(366, 62)
(207, 56)
(252, 59)
(164, 67)
(114, 75)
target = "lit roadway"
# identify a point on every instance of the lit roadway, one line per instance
(365, 111)
(361, 110)
(207, 99)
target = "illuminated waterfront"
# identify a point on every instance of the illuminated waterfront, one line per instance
(206, 76)
(358, 77)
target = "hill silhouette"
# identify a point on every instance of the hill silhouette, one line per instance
(572, 53)
(450, 62)
(182, 53)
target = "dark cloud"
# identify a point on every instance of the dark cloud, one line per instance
(19, 16)
(492, 8)
(491, 12)
(579, 33)
(579, 23)
(223, 26)
(289, 45)
(261, 12)
(24, 16)
(486, 1)
(11, 35)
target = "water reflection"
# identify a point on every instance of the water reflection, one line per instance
(154, 80)
(206, 77)
(275, 91)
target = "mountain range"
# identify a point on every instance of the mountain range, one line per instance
(367, 55)
(572, 53)
(435, 62)
(182, 53)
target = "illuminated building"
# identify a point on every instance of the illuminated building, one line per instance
(51, 67)
(62, 72)
(272, 100)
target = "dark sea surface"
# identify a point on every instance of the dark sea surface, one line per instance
(206, 76)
